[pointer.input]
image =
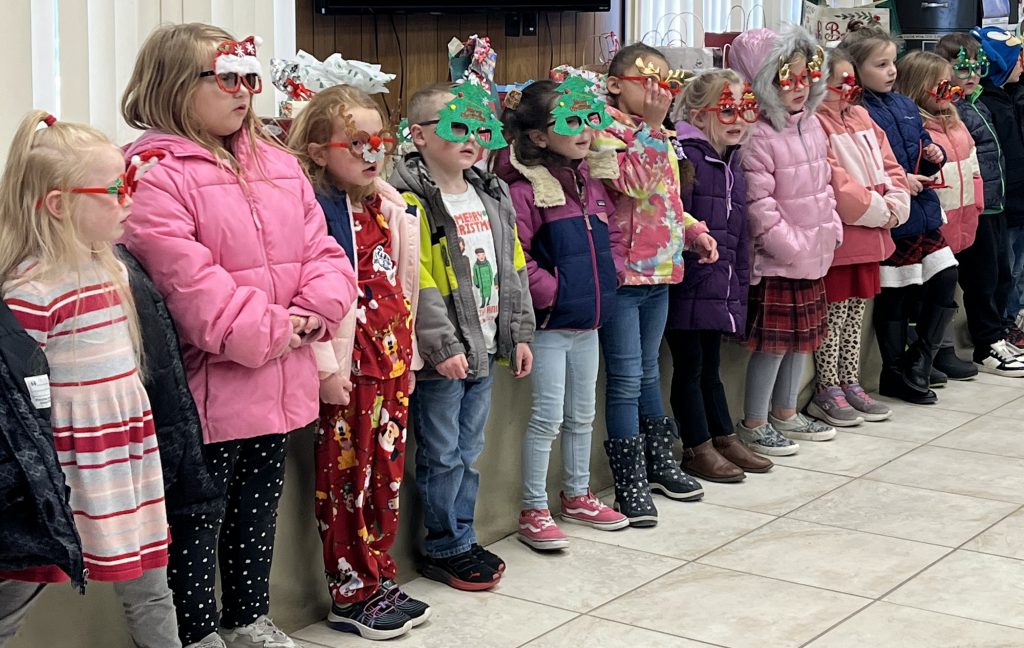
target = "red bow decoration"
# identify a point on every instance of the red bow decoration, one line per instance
(298, 91)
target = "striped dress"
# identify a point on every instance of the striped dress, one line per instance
(102, 425)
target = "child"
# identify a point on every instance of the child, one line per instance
(922, 257)
(458, 336)
(794, 230)
(230, 231)
(1003, 52)
(712, 299)
(563, 214)
(871, 198)
(366, 372)
(655, 229)
(65, 200)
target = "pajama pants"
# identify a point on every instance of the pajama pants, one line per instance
(360, 456)
(837, 360)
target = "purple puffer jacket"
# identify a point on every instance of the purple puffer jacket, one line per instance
(713, 297)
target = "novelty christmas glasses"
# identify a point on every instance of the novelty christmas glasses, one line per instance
(371, 148)
(578, 108)
(729, 111)
(788, 82)
(848, 90)
(964, 68)
(235, 65)
(673, 82)
(469, 114)
(126, 183)
(946, 91)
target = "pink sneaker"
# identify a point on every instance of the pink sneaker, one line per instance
(590, 511)
(538, 530)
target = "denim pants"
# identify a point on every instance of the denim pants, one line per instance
(631, 340)
(1015, 299)
(564, 382)
(450, 416)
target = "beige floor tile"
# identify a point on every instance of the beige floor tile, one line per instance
(904, 512)
(957, 471)
(975, 397)
(685, 530)
(852, 455)
(1012, 410)
(997, 434)
(1002, 381)
(732, 609)
(967, 584)
(1004, 539)
(580, 578)
(914, 423)
(893, 626)
(822, 556)
(459, 619)
(600, 633)
(774, 493)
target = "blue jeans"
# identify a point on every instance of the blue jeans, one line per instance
(1015, 301)
(564, 383)
(450, 416)
(631, 340)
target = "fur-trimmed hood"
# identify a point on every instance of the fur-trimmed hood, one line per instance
(755, 54)
(548, 191)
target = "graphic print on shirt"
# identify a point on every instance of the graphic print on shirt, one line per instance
(476, 243)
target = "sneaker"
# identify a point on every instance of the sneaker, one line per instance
(261, 633)
(488, 558)
(831, 406)
(212, 640)
(1001, 361)
(464, 571)
(868, 407)
(538, 530)
(590, 511)
(766, 440)
(1014, 338)
(375, 618)
(802, 428)
(415, 609)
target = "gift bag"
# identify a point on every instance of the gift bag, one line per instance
(721, 39)
(829, 24)
(475, 58)
(676, 48)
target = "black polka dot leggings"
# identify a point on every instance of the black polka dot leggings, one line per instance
(251, 472)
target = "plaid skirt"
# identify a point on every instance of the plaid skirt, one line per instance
(787, 315)
(916, 260)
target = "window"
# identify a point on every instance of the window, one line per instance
(683, 22)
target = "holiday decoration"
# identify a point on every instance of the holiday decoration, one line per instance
(305, 75)
(578, 108)
(470, 112)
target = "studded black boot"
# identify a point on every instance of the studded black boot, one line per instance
(663, 472)
(632, 494)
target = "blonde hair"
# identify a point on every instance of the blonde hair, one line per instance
(920, 71)
(315, 125)
(41, 160)
(161, 90)
(704, 89)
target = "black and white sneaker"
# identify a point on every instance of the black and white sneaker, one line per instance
(1001, 361)
(488, 558)
(375, 618)
(415, 609)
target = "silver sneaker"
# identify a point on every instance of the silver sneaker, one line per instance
(868, 407)
(830, 405)
(802, 428)
(766, 440)
(262, 633)
(212, 640)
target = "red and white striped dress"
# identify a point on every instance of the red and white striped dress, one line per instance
(102, 424)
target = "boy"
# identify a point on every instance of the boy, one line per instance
(465, 213)
(984, 266)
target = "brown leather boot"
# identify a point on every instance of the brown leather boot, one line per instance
(729, 446)
(704, 461)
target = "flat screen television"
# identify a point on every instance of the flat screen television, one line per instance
(334, 7)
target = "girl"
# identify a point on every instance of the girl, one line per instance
(65, 198)
(794, 230)
(871, 198)
(232, 236)
(563, 214)
(922, 257)
(366, 371)
(712, 299)
(655, 229)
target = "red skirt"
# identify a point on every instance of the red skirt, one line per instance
(787, 315)
(860, 280)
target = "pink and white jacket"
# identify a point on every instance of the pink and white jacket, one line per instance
(963, 196)
(235, 256)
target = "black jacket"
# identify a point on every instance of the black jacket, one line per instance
(1007, 108)
(978, 119)
(188, 482)
(37, 528)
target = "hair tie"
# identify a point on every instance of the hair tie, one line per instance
(512, 99)
(49, 120)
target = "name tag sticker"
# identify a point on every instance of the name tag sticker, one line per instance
(39, 391)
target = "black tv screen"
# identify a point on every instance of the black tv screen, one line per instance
(332, 7)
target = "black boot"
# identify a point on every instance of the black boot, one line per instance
(632, 494)
(936, 378)
(917, 363)
(892, 340)
(663, 473)
(949, 363)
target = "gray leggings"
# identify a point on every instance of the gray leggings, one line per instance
(772, 380)
(147, 603)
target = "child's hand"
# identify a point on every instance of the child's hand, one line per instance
(706, 247)
(893, 222)
(657, 101)
(916, 183)
(335, 389)
(412, 383)
(454, 368)
(303, 326)
(523, 362)
(933, 153)
(295, 342)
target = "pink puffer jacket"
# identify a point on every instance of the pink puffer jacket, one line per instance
(234, 260)
(963, 196)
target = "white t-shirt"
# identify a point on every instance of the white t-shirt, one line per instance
(477, 245)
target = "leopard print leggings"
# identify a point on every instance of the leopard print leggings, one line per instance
(837, 360)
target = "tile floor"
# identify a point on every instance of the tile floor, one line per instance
(908, 533)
